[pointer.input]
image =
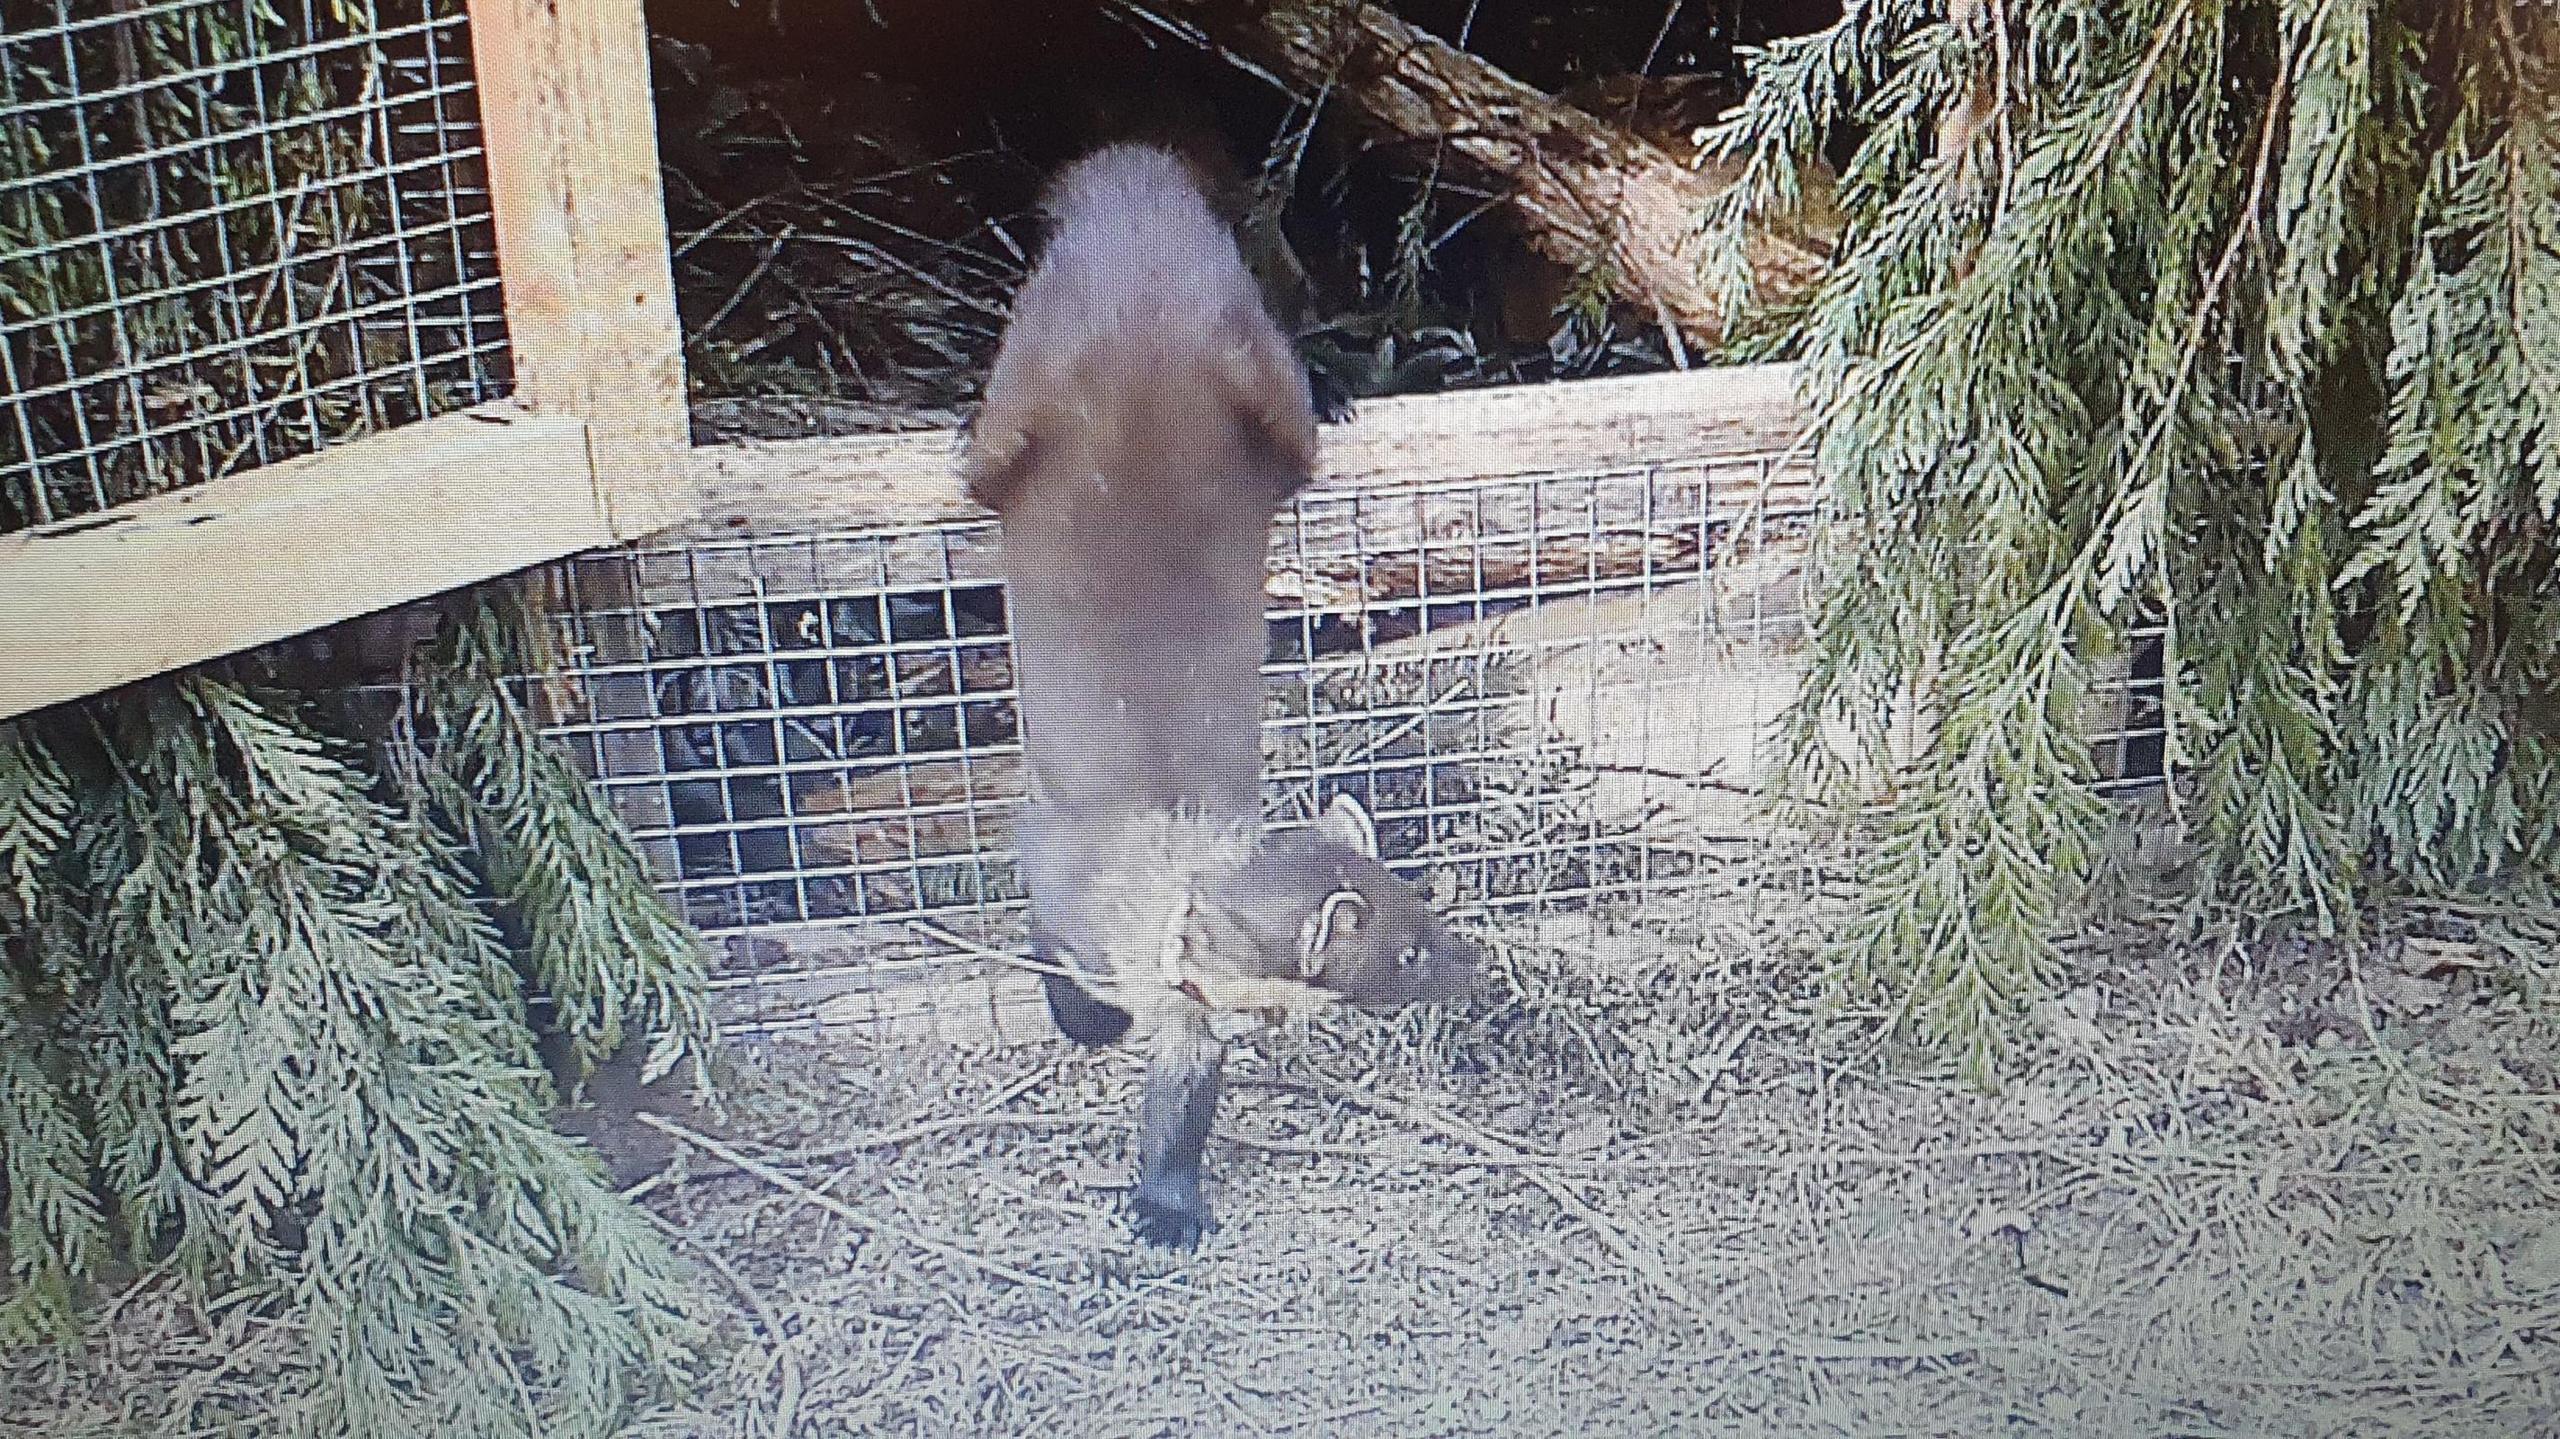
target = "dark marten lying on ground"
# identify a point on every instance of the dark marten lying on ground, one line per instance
(1144, 422)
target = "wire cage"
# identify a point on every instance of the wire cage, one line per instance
(240, 238)
(1539, 634)
(235, 234)
(815, 740)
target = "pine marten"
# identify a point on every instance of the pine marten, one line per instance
(1144, 422)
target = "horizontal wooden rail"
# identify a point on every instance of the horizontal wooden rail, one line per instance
(795, 487)
(106, 599)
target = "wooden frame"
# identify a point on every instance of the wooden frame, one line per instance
(590, 451)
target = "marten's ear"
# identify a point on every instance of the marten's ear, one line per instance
(1265, 387)
(1349, 825)
(998, 452)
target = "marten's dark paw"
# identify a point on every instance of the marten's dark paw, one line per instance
(1170, 1224)
(1078, 1015)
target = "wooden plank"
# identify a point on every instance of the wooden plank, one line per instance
(768, 489)
(996, 1009)
(1576, 426)
(795, 487)
(582, 241)
(107, 599)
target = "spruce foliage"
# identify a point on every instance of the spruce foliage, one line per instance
(259, 1021)
(2238, 315)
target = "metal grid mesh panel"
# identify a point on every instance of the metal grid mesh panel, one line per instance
(232, 232)
(1549, 691)
(1525, 680)
(809, 729)
(1552, 692)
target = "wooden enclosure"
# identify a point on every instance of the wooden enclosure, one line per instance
(582, 443)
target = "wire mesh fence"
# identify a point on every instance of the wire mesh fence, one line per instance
(1551, 691)
(232, 232)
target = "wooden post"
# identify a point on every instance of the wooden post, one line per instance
(572, 147)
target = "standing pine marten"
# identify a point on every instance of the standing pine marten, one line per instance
(1144, 422)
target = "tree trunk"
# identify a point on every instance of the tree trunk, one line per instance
(1590, 195)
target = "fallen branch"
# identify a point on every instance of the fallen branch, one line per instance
(1589, 195)
(1644, 1265)
(786, 1405)
(744, 1164)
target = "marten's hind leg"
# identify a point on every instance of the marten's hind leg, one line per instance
(1078, 1015)
(1174, 1114)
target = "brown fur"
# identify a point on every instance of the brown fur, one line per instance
(1145, 390)
(1144, 421)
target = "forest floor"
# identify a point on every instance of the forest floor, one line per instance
(2227, 1191)
(1650, 1186)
